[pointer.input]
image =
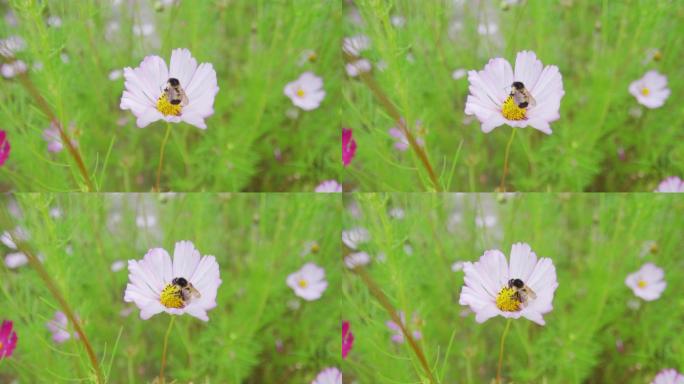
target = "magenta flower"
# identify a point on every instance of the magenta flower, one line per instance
(398, 336)
(347, 339)
(8, 339)
(348, 146)
(4, 147)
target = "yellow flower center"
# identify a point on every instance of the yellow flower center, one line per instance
(0, 345)
(507, 301)
(166, 108)
(642, 284)
(315, 248)
(312, 57)
(171, 296)
(645, 91)
(511, 111)
(300, 92)
(303, 283)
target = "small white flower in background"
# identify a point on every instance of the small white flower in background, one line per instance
(11, 45)
(328, 376)
(357, 259)
(647, 283)
(309, 282)
(306, 92)
(143, 30)
(651, 90)
(10, 19)
(117, 265)
(634, 304)
(491, 90)
(146, 220)
(358, 67)
(668, 376)
(64, 57)
(491, 285)
(408, 249)
(398, 21)
(490, 28)
(58, 327)
(155, 282)
(414, 328)
(636, 112)
(652, 54)
(307, 56)
(10, 70)
(648, 247)
(145, 96)
(10, 238)
(671, 184)
(126, 311)
(310, 247)
(115, 74)
(401, 141)
(294, 304)
(458, 73)
(354, 237)
(485, 221)
(292, 113)
(381, 65)
(457, 266)
(53, 138)
(355, 45)
(56, 213)
(397, 213)
(54, 21)
(15, 260)
(329, 186)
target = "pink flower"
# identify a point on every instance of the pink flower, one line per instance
(398, 336)
(347, 339)
(647, 283)
(8, 339)
(328, 376)
(348, 146)
(671, 184)
(54, 140)
(329, 186)
(401, 142)
(651, 90)
(668, 376)
(4, 147)
(58, 327)
(493, 101)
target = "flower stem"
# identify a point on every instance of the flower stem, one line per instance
(502, 186)
(166, 343)
(161, 155)
(392, 110)
(501, 350)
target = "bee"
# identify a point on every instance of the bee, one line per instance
(175, 93)
(523, 293)
(187, 291)
(522, 97)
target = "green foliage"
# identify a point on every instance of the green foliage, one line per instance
(250, 144)
(599, 47)
(595, 241)
(257, 240)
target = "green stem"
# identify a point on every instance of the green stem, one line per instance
(501, 349)
(166, 343)
(161, 155)
(502, 186)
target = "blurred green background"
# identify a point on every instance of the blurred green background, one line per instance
(260, 332)
(598, 331)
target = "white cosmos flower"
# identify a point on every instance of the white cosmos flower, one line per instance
(651, 90)
(487, 291)
(329, 186)
(358, 67)
(117, 265)
(306, 92)
(671, 184)
(354, 237)
(15, 260)
(356, 260)
(668, 376)
(354, 45)
(328, 376)
(145, 97)
(58, 326)
(150, 280)
(309, 282)
(10, 70)
(647, 283)
(491, 87)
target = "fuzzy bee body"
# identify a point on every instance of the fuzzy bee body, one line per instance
(175, 93)
(521, 95)
(187, 291)
(523, 293)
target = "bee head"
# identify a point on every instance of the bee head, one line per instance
(180, 281)
(516, 283)
(516, 84)
(174, 82)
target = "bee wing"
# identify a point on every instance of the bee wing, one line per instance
(194, 293)
(530, 99)
(530, 293)
(184, 98)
